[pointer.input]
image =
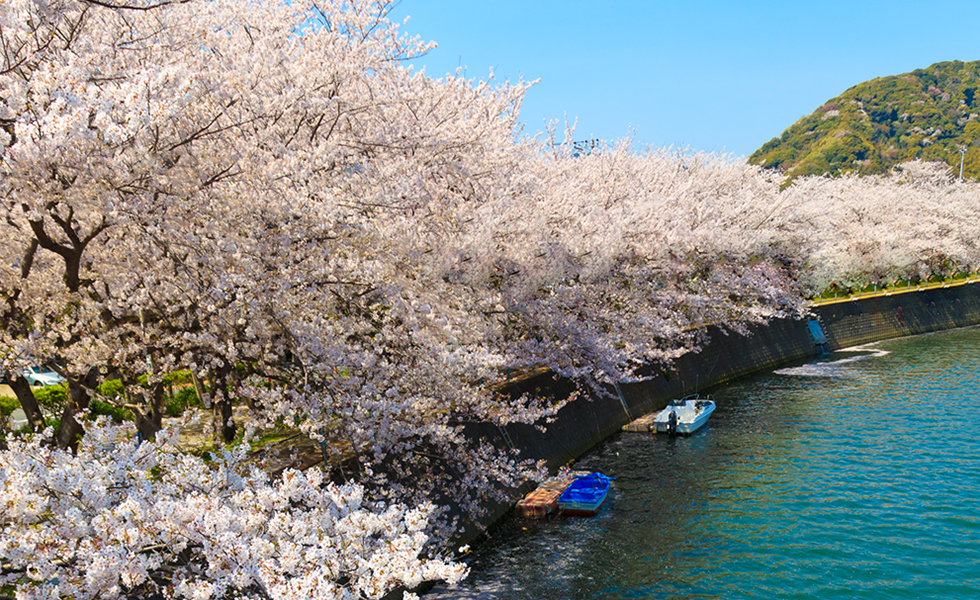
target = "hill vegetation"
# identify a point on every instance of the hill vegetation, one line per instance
(928, 114)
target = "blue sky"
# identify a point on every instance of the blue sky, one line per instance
(719, 76)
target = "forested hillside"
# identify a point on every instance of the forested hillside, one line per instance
(929, 113)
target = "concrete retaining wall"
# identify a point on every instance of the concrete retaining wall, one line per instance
(883, 317)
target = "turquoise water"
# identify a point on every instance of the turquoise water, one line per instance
(855, 476)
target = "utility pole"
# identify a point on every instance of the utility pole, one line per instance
(962, 152)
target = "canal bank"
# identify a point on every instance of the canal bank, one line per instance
(589, 420)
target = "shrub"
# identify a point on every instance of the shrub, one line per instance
(112, 388)
(182, 377)
(8, 405)
(116, 413)
(52, 398)
(184, 398)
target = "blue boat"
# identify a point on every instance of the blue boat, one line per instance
(585, 495)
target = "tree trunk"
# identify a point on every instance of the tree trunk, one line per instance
(70, 431)
(223, 419)
(22, 388)
(149, 416)
(158, 405)
(221, 407)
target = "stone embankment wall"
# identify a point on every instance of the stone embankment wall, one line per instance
(585, 422)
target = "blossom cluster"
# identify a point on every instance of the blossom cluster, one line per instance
(124, 518)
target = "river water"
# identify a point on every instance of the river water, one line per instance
(853, 476)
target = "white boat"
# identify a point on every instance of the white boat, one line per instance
(684, 416)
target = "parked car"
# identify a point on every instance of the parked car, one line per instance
(37, 376)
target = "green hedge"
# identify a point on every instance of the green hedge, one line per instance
(8, 405)
(183, 399)
(112, 388)
(116, 413)
(52, 398)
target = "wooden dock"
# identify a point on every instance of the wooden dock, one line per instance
(643, 424)
(543, 501)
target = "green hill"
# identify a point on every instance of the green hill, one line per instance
(928, 113)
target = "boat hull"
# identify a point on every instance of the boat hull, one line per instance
(585, 496)
(580, 510)
(697, 423)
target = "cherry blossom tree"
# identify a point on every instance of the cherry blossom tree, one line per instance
(913, 223)
(187, 154)
(228, 188)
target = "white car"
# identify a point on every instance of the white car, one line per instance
(37, 376)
